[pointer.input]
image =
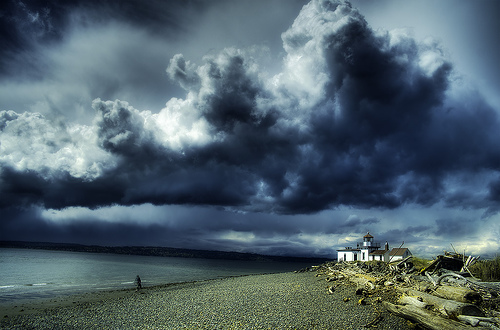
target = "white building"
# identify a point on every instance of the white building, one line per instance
(369, 250)
(380, 255)
(399, 254)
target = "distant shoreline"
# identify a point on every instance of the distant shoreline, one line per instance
(157, 251)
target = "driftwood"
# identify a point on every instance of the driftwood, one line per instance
(425, 317)
(470, 261)
(438, 299)
(450, 276)
(374, 321)
(482, 321)
(407, 300)
(450, 308)
(458, 294)
(449, 261)
(361, 280)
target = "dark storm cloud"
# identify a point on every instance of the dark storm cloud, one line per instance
(355, 117)
(455, 228)
(56, 57)
(411, 235)
(28, 224)
(26, 24)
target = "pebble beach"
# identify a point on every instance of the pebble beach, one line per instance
(268, 301)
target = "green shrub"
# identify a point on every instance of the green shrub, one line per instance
(487, 270)
(420, 263)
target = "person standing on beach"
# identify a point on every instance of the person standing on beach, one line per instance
(138, 282)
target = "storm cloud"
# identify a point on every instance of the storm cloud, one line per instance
(354, 118)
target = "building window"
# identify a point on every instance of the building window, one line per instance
(363, 257)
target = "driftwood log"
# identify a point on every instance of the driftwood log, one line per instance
(458, 293)
(407, 300)
(450, 308)
(361, 280)
(483, 321)
(450, 277)
(432, 304)
(424, 317)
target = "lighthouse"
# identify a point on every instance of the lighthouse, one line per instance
(368, 240)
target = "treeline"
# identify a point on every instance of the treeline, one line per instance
(156, 251)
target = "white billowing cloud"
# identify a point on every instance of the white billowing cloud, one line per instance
(306, 73)
(179, 124)
(30, 142)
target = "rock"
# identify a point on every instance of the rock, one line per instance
(360, 291)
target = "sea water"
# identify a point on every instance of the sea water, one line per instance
(31, 274)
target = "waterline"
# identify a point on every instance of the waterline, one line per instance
(31, 274)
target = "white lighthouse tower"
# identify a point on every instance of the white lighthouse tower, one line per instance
(367, 246)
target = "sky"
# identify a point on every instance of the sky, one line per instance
(281, 127)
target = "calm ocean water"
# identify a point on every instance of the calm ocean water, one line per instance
(32, 274)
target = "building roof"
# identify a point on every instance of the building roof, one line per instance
(368, 235)
(398, 251)
(378, 252)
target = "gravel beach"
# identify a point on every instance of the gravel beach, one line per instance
(269, 301)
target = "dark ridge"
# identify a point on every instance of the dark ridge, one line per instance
(156, 251)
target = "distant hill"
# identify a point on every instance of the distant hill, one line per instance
(155, 251)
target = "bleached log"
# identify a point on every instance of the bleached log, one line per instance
(361, 280)
(424, 317)
(470, 261)
(450, 276)
(450, 308)
(407, 300)
(431, 279)
(488, 325)
(351, 273)
(458, 293)
(475, 320)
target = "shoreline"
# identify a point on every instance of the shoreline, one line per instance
(276, 300)
(25, 306)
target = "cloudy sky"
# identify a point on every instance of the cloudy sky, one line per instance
(281, 127)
